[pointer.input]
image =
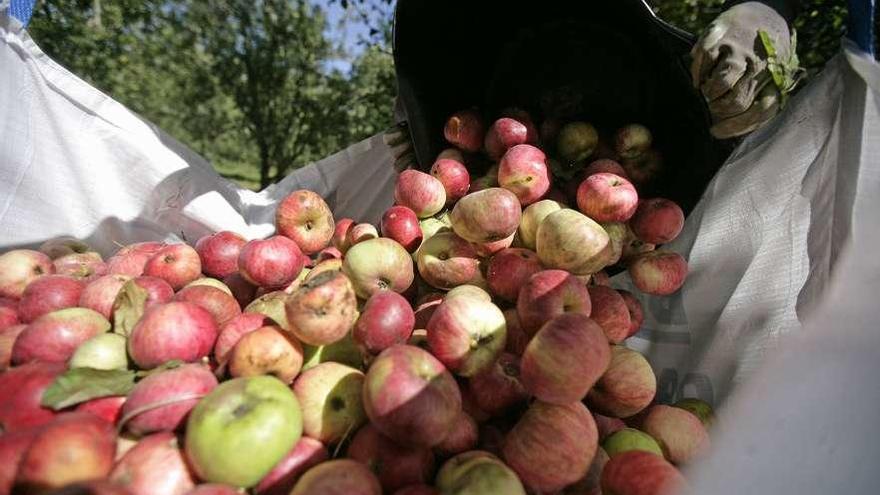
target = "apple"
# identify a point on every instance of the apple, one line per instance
(387, 319)
(330, 253)
(549, 293)
(517, 338)
(486, 216)
(627, 387)
(509, 270)
(323, 310)
(603, 165)
(13, 445)
(658, 273)
(401, 224)
(633, 247)
(158, 290)
(209, 282)
(341, 231)
(680, 433)
(637, 472)
(576, 141)
(344, 351)
(568, 240)
(523, 171)
(304, 217)
(162, 401)
(177, 264)
(490, 179)
(22, 390)
(100, 293)
(565, 359)
(219, 252)
(362, 232)
(234, 330)
(20, 267)
(107, 408)
(222, 306)
(93, 487)
(417, 489)
(395, 465)
(499, 388)
(55, 336)
(523, 117)
(332, 265)
(267, 350)
(610, 311)
(425, 308)
(307, 453)
(478, 472)
(445, 261)
(423, 193)
(271, 305)
(504, 134)
(636, 314)
(214, 489)
(644, 168)
(532, 217)
(156, 465)
(488, 249)
(242, 429)
(131, 259)
(551, 446)
(454, 176)
(467, 334)
(8, 313)
(657, 221)
(632, 140)
(338, 477)
(607, 197)
(105, 351)
(62, 246)
(75, 446)
(465, 130)
(175, 330)
(451, 154)
(378, 264)
(699, 408)
(618, 235)
(46, 294)
(628, 439)
(272, 263)
(607, 425)
(462, 437)
(7, 341)
(410, 396)
(81, 266)
(330, 398)
(242, 290)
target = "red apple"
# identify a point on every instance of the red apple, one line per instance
(401, 224)
(386, 319)
(532, 216)
(156, 465)
(378, 264)
(55, 336)
(219, 252)
(158, 290)
(523, 117)
(565, 359)
(341, 230)
(267, 351)
(462, 437)
(658, 273)
(549, 293)
(423, 193)
(418, 489)
(234, 330)
(425, 308)
(131, 259)
(162, 401)
(486, 250)
(62, 246)
(603, 165)
(552, 445)
(175, 330)
(334, 265)
(338, 477)
(214, 489)
(636, 314)
(323, 310)
(568, 240)
(644, 168)
(106, 408)
(331, 253)
(467, 334)
(637, 472)
(486, 216)
(523, 171)
(477, 472)
(396, 466)
(362, 232)
(657, 221)
(242, 290)
(465, 130)
(517, 338)
(680, 433)
(8, 313)
(8, 336)
(504, 134)
(607, 197)
(47, 294)
(498, 388)
(272, 263)
(80, 265)
(177, 264)
(306, 453)
(22, 390)
(410, 396)
(509, 270)
(632, 141)
(20, 267)
(607, 425)
(100, 293)
(454, 176)
(222, 306)
(451, 154)
(445, 260)
(610, 311)
(74, 447)
(13, 445)
(627, 387)
(576, 141)
(304, 217)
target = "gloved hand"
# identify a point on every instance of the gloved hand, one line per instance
(732, 68)
(398, 139)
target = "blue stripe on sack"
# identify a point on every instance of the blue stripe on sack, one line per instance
(22, 10)
(860, 24)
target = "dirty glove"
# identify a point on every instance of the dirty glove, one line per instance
(744, 65)
(398, 139)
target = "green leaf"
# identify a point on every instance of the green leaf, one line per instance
(168, 365)
(128, 307)
(84, 384)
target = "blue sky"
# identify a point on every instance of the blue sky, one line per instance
(346, 28)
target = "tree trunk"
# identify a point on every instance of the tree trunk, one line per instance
(264, 163)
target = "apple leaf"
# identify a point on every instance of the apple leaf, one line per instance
(84, 384)
(167, 365)
(128, 307)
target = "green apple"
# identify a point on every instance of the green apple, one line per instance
(630, 439)
(698, 408)
(477, 473)
(272, 306)
(105, 351)
(330, 397)
(343, 351)
(237, 433)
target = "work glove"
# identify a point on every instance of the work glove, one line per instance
(745, 64)
(398, 139)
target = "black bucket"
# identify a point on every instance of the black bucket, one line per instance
(608, 62)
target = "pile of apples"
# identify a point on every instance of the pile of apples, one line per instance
(471, 344)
